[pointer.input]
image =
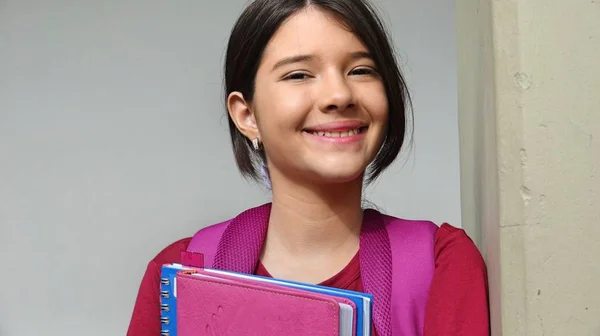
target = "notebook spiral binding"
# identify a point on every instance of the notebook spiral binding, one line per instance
(167, 314)
(168, 300)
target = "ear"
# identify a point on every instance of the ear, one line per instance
(242, 115)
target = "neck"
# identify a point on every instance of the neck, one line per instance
(312, 221)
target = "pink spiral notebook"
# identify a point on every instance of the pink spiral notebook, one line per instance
(221, 305)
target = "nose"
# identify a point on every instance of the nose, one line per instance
(335, 94)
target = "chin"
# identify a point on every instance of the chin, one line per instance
(335, 176)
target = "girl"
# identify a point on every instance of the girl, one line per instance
(317, 104)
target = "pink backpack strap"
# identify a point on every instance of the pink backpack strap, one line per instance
(376, 274)
(206, 240)
(397, 263)
(413, 265)
(234, 245)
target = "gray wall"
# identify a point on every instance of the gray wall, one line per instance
(113, 143)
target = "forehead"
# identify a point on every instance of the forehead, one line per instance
(311, 31)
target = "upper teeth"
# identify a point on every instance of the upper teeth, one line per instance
(338, 134)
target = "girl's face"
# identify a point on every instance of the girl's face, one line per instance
(320, 107)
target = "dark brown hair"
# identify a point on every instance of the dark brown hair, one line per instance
(251, 34)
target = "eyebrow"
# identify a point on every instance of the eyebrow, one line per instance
(292, 60)
(304, 58)
(361, 54)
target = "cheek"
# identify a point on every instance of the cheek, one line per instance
(292, 102)
(380, 110)
(375, 102)
(282, 110)
(380, 101)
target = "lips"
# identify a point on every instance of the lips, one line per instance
(338, 129)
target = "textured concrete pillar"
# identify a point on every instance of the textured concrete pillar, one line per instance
(529, 93)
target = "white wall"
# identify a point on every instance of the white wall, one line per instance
(113, 143)
(540, 230)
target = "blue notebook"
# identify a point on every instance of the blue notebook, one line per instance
(363, 301)
(168, 298)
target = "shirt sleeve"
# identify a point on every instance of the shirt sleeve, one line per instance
(145, 319)
(458, 298)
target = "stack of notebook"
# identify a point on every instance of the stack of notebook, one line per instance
(199, 301)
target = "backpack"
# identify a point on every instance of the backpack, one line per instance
(396, 259)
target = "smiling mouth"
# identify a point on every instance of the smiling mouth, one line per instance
(340, 134)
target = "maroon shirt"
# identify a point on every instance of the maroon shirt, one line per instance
(457, 303)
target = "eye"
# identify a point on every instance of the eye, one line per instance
(363, 71)
(297, 76)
